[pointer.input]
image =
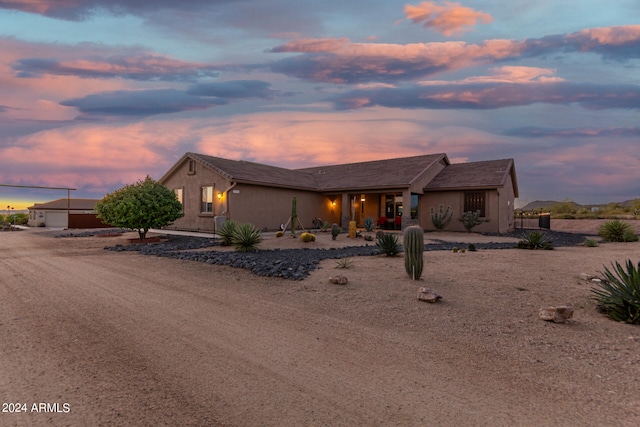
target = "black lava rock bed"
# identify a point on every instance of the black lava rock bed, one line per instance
(297, 264)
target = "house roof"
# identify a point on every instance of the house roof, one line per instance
(475, 175)
(256, 173)
(377, 174)
(370, 175)
(62, 204)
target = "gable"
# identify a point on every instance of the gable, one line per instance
(475, 175)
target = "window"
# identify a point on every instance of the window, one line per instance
(178, 192)
(414, 206)
(192, 167)
(475, 201)
(207, 200)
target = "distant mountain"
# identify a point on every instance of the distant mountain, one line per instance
(539, 204)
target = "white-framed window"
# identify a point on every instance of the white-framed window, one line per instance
(206, 200)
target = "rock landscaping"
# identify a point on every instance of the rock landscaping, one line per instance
(295, 264)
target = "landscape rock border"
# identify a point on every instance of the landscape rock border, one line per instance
(295, 264)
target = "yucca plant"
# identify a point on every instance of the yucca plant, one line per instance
(344, 263)
(226, 232)
(246, 238)
(388, 244)
(617, 231)
(618, 292)
(535, 240)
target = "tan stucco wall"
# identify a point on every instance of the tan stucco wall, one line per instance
(499, 210)
(264, 207)
(191, 194)
(268, 207)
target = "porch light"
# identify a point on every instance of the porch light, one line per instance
(362, 198)
(219, 196)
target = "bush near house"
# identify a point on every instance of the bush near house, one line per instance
(140, 206)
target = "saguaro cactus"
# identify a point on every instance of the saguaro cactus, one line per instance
(413, 249)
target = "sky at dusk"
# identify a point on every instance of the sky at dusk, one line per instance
(97, 94)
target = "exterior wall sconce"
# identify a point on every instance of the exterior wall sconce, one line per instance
(219, 196)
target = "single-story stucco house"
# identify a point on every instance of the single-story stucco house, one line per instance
(396, 193)
(65, 213)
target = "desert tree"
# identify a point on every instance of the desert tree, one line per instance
(140, 206)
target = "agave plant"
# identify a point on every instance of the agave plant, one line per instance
(246, 238)
(535, 240)
(618, 292)
(226, 232)
(344, 263)
(388, 244)
(617, 231)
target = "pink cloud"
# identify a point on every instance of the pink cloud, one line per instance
(448, 18)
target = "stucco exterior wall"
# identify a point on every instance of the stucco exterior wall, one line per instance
(498, 210)
(191, 185)
(268, 207)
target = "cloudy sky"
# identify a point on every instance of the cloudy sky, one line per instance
(96, 94)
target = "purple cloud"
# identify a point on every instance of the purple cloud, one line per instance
(141, 103)
(143, 66)
(234, 89)
(340, 61)
(494, 95)
(537, 132)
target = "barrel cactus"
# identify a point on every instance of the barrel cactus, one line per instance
(413, 248)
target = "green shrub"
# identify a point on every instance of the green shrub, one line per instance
(617, 231)
(535, 240)
(388, 245)
(442, 218)
(618, 293)
(591, 243)
(472, 247)
(246, 238)
(325, 226)
(226, 232)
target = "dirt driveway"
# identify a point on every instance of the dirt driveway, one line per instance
(108, 338)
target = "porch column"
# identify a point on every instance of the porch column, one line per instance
(345, 211)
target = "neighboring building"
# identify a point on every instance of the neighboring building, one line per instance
(395, 192)
(65, 213)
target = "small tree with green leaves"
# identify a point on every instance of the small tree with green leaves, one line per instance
(140, 206)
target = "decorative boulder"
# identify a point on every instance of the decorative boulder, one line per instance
(339, 280)
(428, 295)
(558, 314)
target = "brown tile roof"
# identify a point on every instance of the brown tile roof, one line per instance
(377, 174)
(61, 204)
(485, 174)
(256, 173)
